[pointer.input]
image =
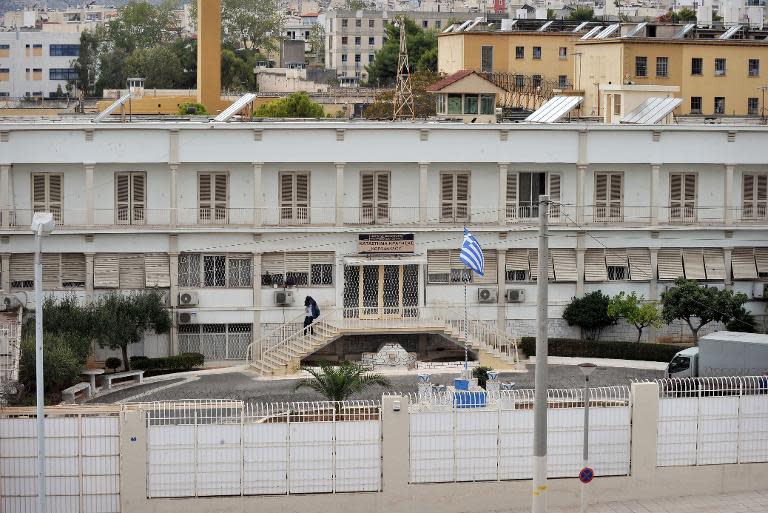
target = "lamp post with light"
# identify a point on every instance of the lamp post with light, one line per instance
(42, 225)
(586, 369)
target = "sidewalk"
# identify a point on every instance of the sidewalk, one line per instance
(746, 502)
(603, 362)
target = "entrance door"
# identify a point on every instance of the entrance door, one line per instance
(381, 291)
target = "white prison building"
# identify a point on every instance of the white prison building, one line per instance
(367, 218)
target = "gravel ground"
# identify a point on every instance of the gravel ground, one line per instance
(247, 387)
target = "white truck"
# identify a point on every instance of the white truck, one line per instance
(723, 353)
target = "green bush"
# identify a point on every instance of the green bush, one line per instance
(113, 363)
(604, 349)
(194, 109)
(61, 365)
(182, 362)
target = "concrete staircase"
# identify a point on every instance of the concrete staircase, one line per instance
(281, 351)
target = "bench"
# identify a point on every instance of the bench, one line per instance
(68, 395)
(107, 379)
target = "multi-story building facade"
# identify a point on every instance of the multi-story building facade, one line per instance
(367, 218)
(36, 64)
(353, 37)
(71, 19)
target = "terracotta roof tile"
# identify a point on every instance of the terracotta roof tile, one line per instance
(450, 79)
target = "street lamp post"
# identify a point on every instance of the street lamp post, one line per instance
(42, 225)
(586, 370)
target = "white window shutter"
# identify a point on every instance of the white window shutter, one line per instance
(322, 257)
(123, 197)
(73, 270)
(438, 265)
(382, 197)
(106, 271)
(743, 264)
(761, 259)
(693, 263)
(616, 257)
(302, 197)
(533, 259)
(670, 263)
(554, 196)
(55, 194)
(286, 197)
(51, 271)
(367, 201)
(490, 276)
(273, 263)
(595, 269)
(564, 261)
(714, 263)
(297, 262)
(205, 197)
(132, 271)
(517, 260)
(22, 267)
(462, 197)
(157, 270)
(138, 197)
(639, 264)
(447, 197)
(675, 195)
(511, 196)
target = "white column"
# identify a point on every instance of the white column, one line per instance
(501, 312)
(258, 198)
(503, 167)
(173, 258)
(89, 277)
(5, 273)
(5, 193)
(728, 194)
(580, 264)
(174, 218)
(423, 192)
(581, 177)
(655, 193)
(653, 288)
(256, 273)
(339, 194)
(728, 258)
(89, 167)
(339, 282)
(422, 285)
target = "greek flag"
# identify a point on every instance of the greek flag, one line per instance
(471, 253)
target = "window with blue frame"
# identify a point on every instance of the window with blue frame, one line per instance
(65, 50)
(62, 74)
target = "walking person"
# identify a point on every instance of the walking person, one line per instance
(311, 312)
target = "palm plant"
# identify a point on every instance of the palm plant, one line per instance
(339, 382)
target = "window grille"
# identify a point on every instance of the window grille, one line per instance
(233, 271)
(303, 269)
(444, 266)
(216, 341)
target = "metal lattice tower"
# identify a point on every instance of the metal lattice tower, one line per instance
(403, 101)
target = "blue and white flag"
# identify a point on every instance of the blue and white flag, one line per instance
(472, 254)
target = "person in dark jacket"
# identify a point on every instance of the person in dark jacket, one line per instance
(311, 312)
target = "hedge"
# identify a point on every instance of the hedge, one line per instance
(182, 362)
(604, 349)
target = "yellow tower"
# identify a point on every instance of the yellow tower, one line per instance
(209, 54)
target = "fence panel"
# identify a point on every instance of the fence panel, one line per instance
(515, 444)
(431, 453)
(171, 460)
(677, 431)
(753, 429)
(218, 459)
(358, 456)
(718, 429)
(265, 455)
(476, 445)
(311, 457)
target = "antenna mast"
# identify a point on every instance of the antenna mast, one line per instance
(403, 101)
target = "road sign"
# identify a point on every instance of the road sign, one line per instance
(586, 475)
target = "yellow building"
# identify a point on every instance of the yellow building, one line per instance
(716, 77)
(548, 55)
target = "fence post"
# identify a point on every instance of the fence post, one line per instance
(645, 413)
(133, 461)
(395, 444)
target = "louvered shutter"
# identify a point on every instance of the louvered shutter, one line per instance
(675, 196)
(489, 272)
(761, 259)
(123, 197)
(594, 265)
(693, 262)
(106, 271)
(51, 271)
(438, 266)
(302, 198)
(446, 197)
(601, 196)
(761, 202)
(22, 267)
(639, 264)
(272, 264)
(286, 197)
(47, 194)
(714, 263)
(296, 262)
(157, 270)
(205, 199)
(132, 271)
(322, 257)
(511, 196)
(554, 196)
(382, 197)
(517, 260)
(73, 270)
(55, 194)
(564, 262)
(462, 197)
(39, 193)
(743, 264)
(615, 190)
(533, 261)
(670, 262)
(616, 257)
(455, 261)
(367, 201)
(220, 197)
(138, 197)
(754, 196)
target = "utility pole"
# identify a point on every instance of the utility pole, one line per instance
(542, 371)
(403, 101)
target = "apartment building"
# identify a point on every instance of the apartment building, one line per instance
(70, 19)
(35, 64)
(367, 218)
(353, 37)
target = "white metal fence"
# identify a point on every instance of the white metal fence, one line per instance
(82, 463)
(495, 442)
(206, 448)
(705, 421)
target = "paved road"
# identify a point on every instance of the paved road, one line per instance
(247, 387)
(745, 502)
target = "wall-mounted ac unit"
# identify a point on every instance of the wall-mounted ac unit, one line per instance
(486, 295)
(186, 317)
(283, 297)
(188, 299)
(760, 290)
(8, 303)
(515, 296)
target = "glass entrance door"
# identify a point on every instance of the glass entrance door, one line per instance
(381, 291)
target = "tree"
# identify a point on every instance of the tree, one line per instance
(383, 70)
(186, 50)
(111, 70)
(357, 5)
(237, 70)
(684, 14)
(423, 102)
(61, 365)
(636, 312)
(86, 64)
(590, 313)
(139, 24)
(297, 105)
(689, 301)
(742, 321)
(252, 23)
(582, 14)
(339, 382)
(121, 320)
(159, 65)
(317, 42)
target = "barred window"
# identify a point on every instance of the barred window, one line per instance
(444, 266)
(216, 341)
(197, 270)
(297, 269)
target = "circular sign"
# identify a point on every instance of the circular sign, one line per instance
(586, 475)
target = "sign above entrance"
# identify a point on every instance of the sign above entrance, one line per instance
(385, 243)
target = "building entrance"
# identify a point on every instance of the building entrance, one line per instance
(381, 291)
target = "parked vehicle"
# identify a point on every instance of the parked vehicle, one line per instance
(724, 353)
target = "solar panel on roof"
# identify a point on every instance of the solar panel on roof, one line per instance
(462, 26)
(555, 109)
(683, 31)
(236, 107)
(636, 30)
(581, 26)
(112, 108)
(545, 26)
(651, 111)
(450, 28)
(591, 33)
(475, 22)
(730, 32)
(608, 31)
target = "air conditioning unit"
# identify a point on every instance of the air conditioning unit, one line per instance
(8, 303)
(515, 296)
(186, 317)
(760, 290)
(188, 299)
(284, 297)
(486, 295)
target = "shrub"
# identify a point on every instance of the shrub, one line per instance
(113, 363)
(481, 374)
(596, 349)
(61, 365)
(182, 362)
(194, 109)
(590, 313)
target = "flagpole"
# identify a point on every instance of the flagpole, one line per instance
(466, 327)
